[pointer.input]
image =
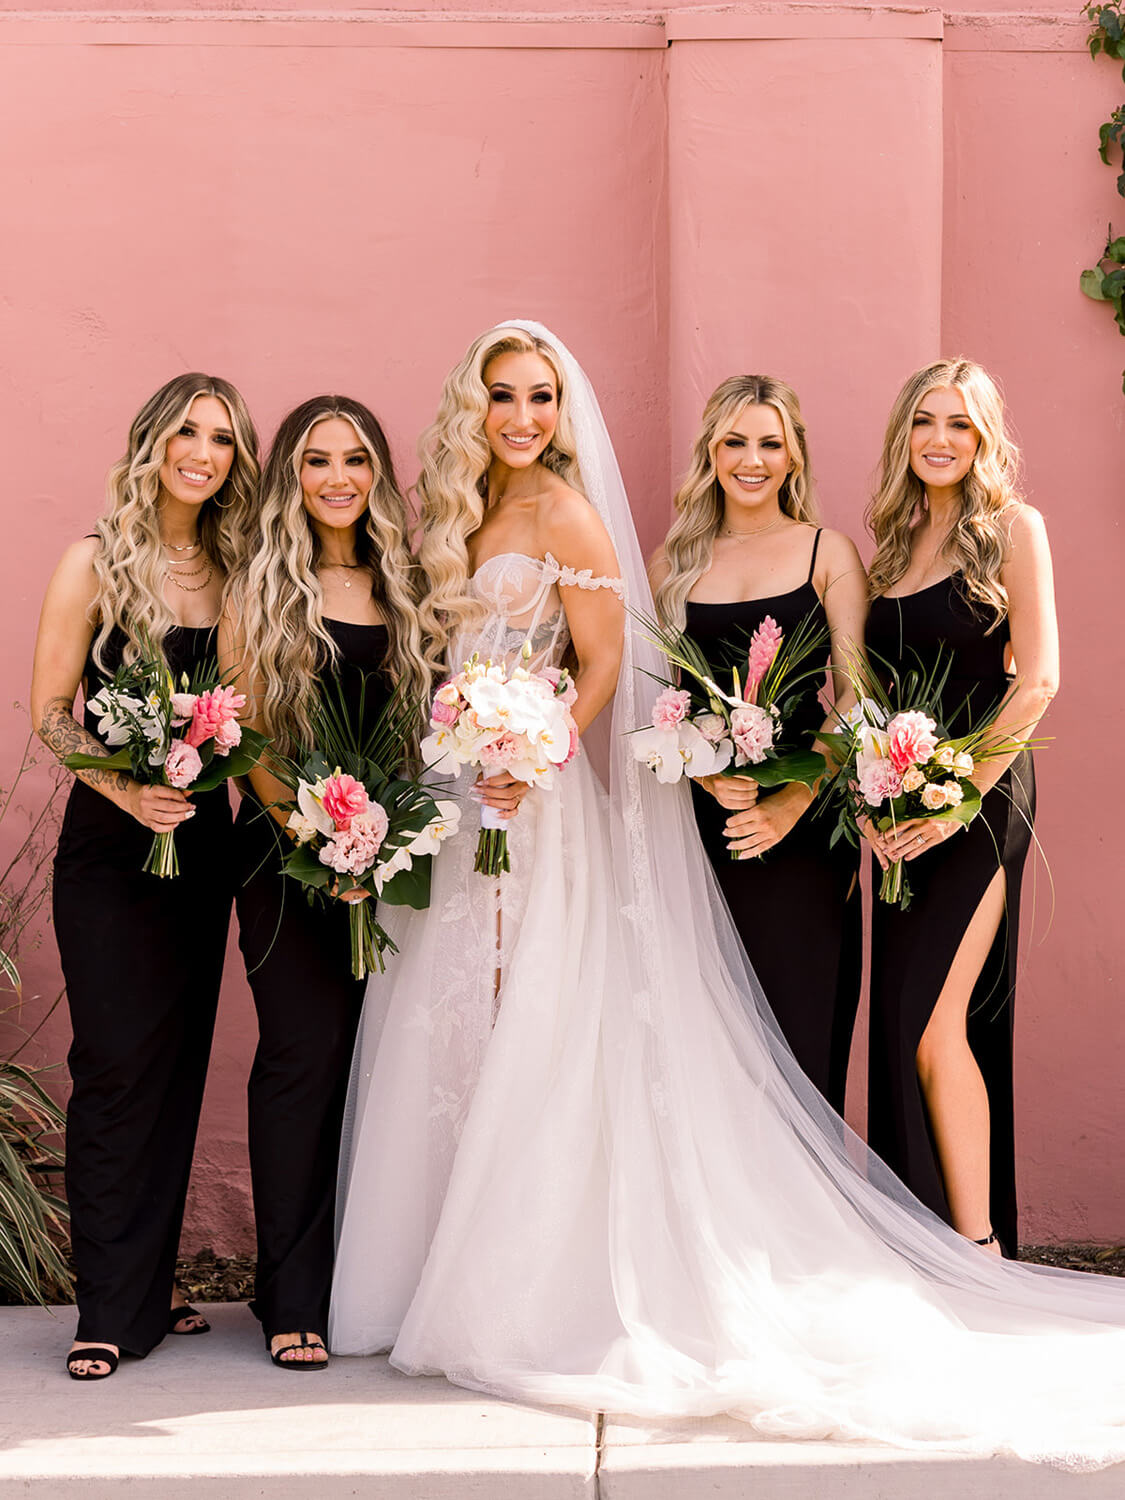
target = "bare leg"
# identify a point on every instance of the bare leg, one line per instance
(954, 1091)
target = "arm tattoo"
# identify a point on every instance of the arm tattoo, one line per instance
(62, 733)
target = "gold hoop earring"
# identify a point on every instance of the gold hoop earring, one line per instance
(219, 505)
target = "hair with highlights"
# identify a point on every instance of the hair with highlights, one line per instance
(129, 564)
(275, 595)
(700, 504)
(977, 545)
(453, 485)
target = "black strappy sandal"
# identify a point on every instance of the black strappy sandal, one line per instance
(989, 1239)
(94, 1353)
(303, 1342)
(185, 1310)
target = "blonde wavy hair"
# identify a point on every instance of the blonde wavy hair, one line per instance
(453, 486)
(275, 595)
(978, 542)
(699, 503)
(129, 564)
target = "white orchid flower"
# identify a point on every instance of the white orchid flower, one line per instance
(310, 796)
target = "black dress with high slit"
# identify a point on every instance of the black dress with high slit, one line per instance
(912, 950)
(298, 962)
(797, 908)
(142, 958)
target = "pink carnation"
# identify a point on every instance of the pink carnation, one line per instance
(344, 798)
(211, 711)
(183, 764)
(912, 740)
(670, 709)
(569, 694)
(764, 644)
(878, 779)
(502, 752)
(228, 736)
(355, 849)
(752, 730)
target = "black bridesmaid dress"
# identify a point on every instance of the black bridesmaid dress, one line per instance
(797, 908)
(298, 962)
(143, 959)
(911, 951)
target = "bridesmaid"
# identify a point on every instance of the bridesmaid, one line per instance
(960, 562)
(746, 544)
(329, 591)
(142, 957)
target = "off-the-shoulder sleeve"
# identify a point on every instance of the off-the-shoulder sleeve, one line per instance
(582, 578)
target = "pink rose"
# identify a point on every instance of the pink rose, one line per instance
(713, 727)
(933, 796)
(183, 764)
(752, 730)
(344, 797)
(443, 713)
(878, 779)
(670, 709)
(211, 710)
(912, 740)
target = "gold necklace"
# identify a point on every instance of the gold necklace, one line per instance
(192, 588)
(351, 567)
(758, 531)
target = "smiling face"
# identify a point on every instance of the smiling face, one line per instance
(943, 439)
(523, 407)
(199, 454)
(337, 474)
(752, 459)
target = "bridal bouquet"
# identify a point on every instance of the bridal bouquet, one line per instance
(188, 737)
(898, 763)
(361, 822)
(706, 730)
(500, 720)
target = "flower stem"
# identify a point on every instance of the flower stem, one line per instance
(162, 857)
(492, 852)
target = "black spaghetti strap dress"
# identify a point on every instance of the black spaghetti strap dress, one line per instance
(142, 959)
(797, 908)
(298, 962)
(911, 951)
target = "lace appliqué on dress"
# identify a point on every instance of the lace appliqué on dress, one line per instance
(582, 578)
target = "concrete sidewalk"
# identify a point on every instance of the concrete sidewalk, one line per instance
(210, 1418)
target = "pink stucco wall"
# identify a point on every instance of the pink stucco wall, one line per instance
(833, 193)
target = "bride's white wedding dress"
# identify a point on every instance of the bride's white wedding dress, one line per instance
(580, 1165)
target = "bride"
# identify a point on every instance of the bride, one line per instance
(580, 1164)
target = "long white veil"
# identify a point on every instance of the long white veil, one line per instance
(741, 1205)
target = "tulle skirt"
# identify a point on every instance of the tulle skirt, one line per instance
(581, 1167)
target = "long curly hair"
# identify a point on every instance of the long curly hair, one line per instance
(275, 594)
(699, 503)
(977, 544)
(129, 563)
(453, 485)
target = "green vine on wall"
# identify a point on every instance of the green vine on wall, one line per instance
(1105, 282)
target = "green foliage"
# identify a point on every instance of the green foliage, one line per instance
(1105, 282)
(33, 1216)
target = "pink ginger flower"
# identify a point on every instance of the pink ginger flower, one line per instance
(212, 710)
(183, 764)
(670, 709)
(344, 797)
(764, 644)
(353, 850)
(912, 740)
